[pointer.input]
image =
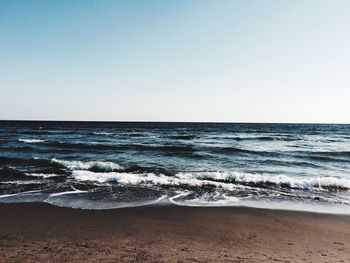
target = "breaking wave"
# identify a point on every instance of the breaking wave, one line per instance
(102, 133)
(31, 140)
(226, 180)
(184, 137)
(89, 165)
(322, 182)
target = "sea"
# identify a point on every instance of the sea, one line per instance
(106, 165)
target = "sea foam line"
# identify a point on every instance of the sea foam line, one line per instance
(80, 165)
(43, 175)
(103, 133)
(149, 179)
(31, 140)
(75, 191)
(291, 181)
(224, 180)
(21, 193)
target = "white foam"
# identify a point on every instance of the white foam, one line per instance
(75, 191)
(79, 165)
(206, 178)
(179, 194)
(123, 178)
(21, 193)
(103, 133)
(43, 175)
(20, 182)
(149, 179)
(83, 203)
(31, 140)
(292, 181)
(207, 200)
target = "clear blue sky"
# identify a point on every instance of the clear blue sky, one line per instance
(250, 61)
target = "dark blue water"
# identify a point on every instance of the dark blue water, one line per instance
(106, 165)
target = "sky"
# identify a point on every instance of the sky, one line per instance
(183, 60)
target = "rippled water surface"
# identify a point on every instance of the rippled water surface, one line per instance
(108, 165)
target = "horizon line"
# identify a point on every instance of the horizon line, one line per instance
(152, 121)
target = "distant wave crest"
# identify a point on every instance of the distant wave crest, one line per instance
(89, 165)
(31, 140)
(103, 133)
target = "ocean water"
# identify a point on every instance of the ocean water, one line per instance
(102, 165)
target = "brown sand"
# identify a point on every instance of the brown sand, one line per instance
(44, 233)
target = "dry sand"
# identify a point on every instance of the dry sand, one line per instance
(44, 233)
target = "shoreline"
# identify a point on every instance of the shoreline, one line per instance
(37, 232)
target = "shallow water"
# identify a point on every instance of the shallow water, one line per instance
(101, 165)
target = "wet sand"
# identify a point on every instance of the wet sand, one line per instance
(44, 233)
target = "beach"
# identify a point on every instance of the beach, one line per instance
(34, 232)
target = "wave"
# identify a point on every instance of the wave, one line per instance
(135, 134)
(40, 164)
(34, 132)
(324, 153)
(265, 138)
(225, 180)
(276, 162)
(332, 156)
(185, 137)
(89, 165)
(66, 200)
(17, 183)
(149, 179)
(77, 145)
(103, 133)
(143, 169)
(176, 148)
(334, 153)
(74, 191)
(235, 150)
(181, 149)
(43, 175)
(21, 193)
(257, 138)
(184, 149)
(206, 199)
(325, 182)
(323, 156)
(19, 149)
(31, 140)
(11, 173)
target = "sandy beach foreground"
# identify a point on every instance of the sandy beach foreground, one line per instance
(44, 233)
